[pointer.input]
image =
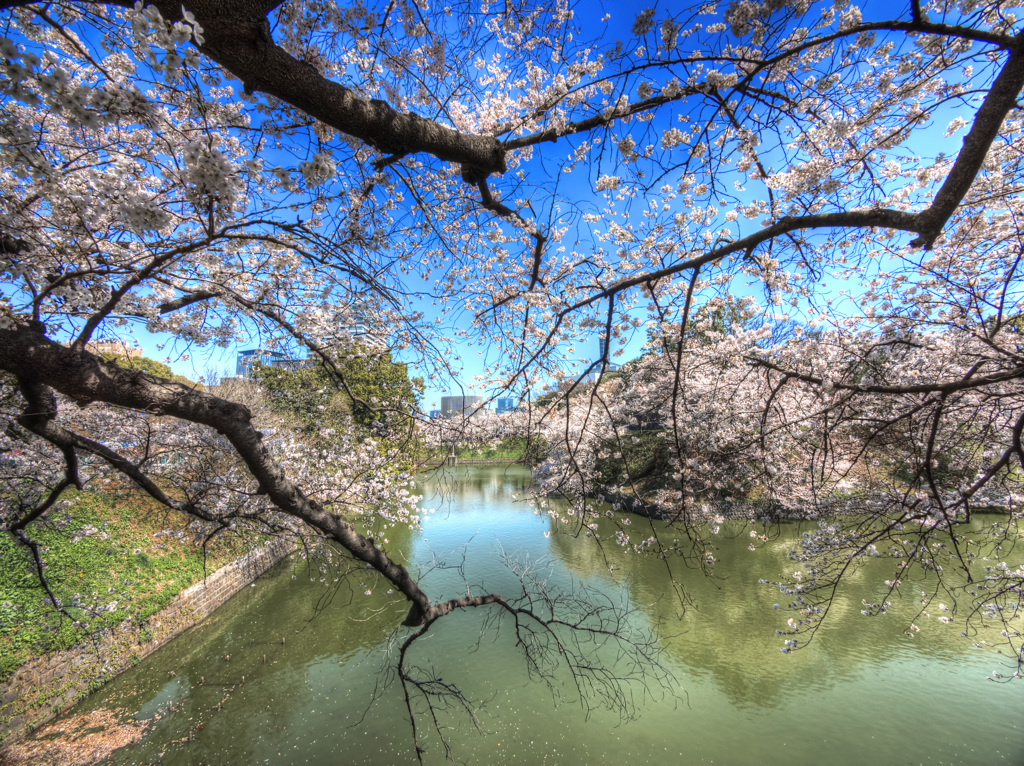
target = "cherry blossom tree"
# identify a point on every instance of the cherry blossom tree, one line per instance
(540, 177)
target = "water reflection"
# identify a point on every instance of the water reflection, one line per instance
(724, 628)
(861, 691)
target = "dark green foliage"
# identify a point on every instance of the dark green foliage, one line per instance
(644, 458)
(545, 400)
(145, 364)
(528, 449)
(535, 450)
(307, 394)
(376, 389)
(510, 448)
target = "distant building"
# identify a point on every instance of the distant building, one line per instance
(250, 357)
(505, 405)
(354, 324)
(602, 345)
(435, 414)
(118, 347)
(593, 377)
(453, 405)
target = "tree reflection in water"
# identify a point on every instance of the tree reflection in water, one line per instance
(860, 689)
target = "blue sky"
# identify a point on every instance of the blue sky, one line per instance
(197, 362)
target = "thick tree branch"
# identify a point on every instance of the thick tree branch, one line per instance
(237, 36)
(38, 361)
(963, 384)
(879, 218)
(188, 299)
(583, 126)
(39, 418)
(999, 101)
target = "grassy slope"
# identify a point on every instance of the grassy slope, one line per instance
(113, 553)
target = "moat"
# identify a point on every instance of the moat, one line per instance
(292, 671)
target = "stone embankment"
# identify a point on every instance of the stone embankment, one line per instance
(770, 510)
(48, 685)
(758, 509)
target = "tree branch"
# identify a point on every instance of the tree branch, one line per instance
(238, 37)
(999, 101)
(38, 361)
(963, 384)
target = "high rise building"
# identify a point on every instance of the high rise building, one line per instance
(250, 357)
(465, 405)
(602, 345)
(354, 323)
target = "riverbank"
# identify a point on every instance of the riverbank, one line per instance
(308, 699)
(47, 685)
(439, 462)
(772, 510)
(746, 511)
(109, 557)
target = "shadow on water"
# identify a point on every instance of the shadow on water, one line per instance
(862, 691)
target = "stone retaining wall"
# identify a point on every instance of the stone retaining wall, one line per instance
(758, 509)
(48, 685)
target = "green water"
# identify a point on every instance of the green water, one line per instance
(861, 693)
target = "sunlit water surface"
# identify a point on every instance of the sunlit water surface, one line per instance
(314, 663)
